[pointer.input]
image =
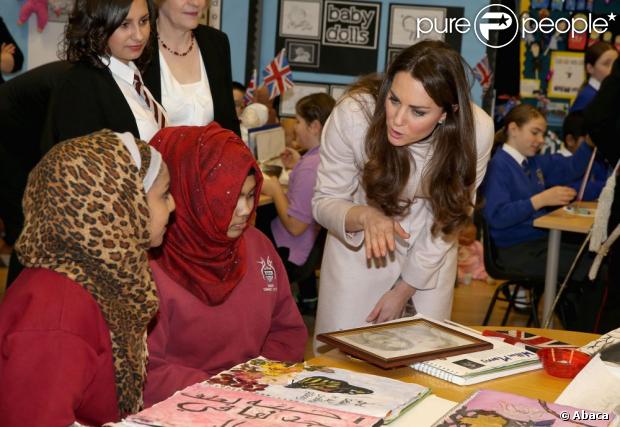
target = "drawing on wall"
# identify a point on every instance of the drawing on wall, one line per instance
(351, 24)
(303, 53)
(404, 21)
(212, 15)
(291, 96)
(300, 18)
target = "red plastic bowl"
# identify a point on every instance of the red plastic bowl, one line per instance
(563, 362)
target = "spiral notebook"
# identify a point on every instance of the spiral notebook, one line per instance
(472, 368)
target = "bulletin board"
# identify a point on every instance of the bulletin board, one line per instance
(552, 65)
(329, 36)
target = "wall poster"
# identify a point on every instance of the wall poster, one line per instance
(329, 36)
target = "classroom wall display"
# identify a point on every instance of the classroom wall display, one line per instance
(305, 53)
(552, 62)
(300, 18)
(212, 15)
(301, 89)
(410, 24)
(567, 74)
(329, 36)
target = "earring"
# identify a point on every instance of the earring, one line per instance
(440, 122)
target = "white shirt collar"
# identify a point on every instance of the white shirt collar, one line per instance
(120, 69)
(594, 83)
(514, 153)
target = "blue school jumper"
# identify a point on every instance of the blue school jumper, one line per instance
(508, 187)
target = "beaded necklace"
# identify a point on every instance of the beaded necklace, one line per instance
(174, 52)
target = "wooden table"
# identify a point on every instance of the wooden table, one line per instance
(535, 384)
(557, 221)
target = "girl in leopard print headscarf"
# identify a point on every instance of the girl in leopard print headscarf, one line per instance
(73, 326)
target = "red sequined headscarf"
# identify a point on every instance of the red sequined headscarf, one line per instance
(208, 166)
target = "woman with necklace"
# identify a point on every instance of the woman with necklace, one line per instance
(191, 76)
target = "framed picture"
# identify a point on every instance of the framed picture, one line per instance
(404, 22)
(291, 96)
(300, 18)
(303, 53)
(567, 74)
(337, 91)
(402, 343)
(351, 24)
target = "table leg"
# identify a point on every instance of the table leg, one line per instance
(551, 274)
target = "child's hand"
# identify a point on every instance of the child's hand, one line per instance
(554, 196)
(270, 185)
(290, 157)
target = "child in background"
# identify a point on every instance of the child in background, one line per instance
(598, 60)
(574, 134)
(294, 230)
(521, 186)
(470, 257)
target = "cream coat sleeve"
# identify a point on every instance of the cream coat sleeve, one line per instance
(337, 186)
(428, 253)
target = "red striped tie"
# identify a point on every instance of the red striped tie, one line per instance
(157, 110)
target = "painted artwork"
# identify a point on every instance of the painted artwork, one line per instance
(205, 405)
(331, 388)
(300, 18)
(494, 408)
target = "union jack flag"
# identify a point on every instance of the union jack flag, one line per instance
(277, 76)
(528, 340)
(248, 96)
(482, 73)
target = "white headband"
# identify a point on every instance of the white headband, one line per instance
(129, 141)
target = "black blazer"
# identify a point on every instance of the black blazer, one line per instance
(215, 51)
(24, 102)
(602, 121)
(18, 56)
(89, 100)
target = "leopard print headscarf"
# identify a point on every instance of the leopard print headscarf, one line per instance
(86, 217)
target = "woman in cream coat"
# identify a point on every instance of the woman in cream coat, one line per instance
(394, 187)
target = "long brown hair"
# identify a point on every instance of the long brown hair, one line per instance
(450, 176)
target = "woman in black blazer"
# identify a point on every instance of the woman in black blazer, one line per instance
(102, 40)
(191, 74)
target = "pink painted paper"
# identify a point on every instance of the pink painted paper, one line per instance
(487, 405)
(206, 406)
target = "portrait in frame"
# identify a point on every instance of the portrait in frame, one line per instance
(402, 343)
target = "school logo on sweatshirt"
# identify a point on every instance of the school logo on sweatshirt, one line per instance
(268, 273)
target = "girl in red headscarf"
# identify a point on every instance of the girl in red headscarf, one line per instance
(224, 293)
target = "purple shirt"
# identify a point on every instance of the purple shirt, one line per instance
(300, 191)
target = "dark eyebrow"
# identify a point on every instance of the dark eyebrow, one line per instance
(417, 107)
